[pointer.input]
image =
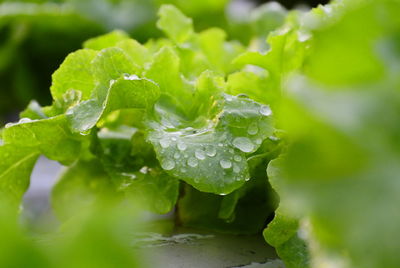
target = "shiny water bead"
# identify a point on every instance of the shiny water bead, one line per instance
(192, 162)
(244, 144)
(225, 164)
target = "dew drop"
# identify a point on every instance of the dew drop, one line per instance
(181, 146)
(220, 144)
(131, 77)
(183, 170)
(192, 162)
(165, 142)
(237, 158)
(24, 120)
(144, 169)
(176, 155)
(253, 129)
(273, 138)
(211, 151)
(231, 151)
(225, 163)
(132, 176)
(199, 154)
(168, 164)
(244, 144)
(265, 110)
(21, 121)
(258, 141)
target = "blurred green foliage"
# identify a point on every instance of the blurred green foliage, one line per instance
(35, 36)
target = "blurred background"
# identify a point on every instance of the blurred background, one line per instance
(36, 35)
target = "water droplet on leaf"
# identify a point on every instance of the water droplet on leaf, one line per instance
(244, 144)
(211, 151)
(165, 142)
(225, 163)
(265, 110)
(192, 162)
(131, 77)
(273, 138)
(144, 169)
(253, 129)
(130, 175)
(199, 154)
(168, 164)
(182, 146)
(237, 158)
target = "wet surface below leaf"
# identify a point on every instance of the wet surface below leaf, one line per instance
(191, 248)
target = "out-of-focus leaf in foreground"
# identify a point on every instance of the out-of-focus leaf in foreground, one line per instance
(340, 172)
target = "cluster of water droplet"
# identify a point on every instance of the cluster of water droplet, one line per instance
(200, 159)
(215, 155)
(250, 119)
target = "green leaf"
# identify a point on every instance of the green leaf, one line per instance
(117, 88)
(110, 64)
(132, 92)
(282, 231)
(170, 82)
(105, 41)
(325, 60)
(131, 164)
(219, 53)
(257, 86)
(294, 252)
(127, 92)
(175, 24)
(287, 52)
(17, 249)
(80, 187)
(237, 213)
(153, 188)
(267, 18)
(15, 169)
(136, 51)
(212, 158)
(338, 173)
(51, 137)
(74, 74)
